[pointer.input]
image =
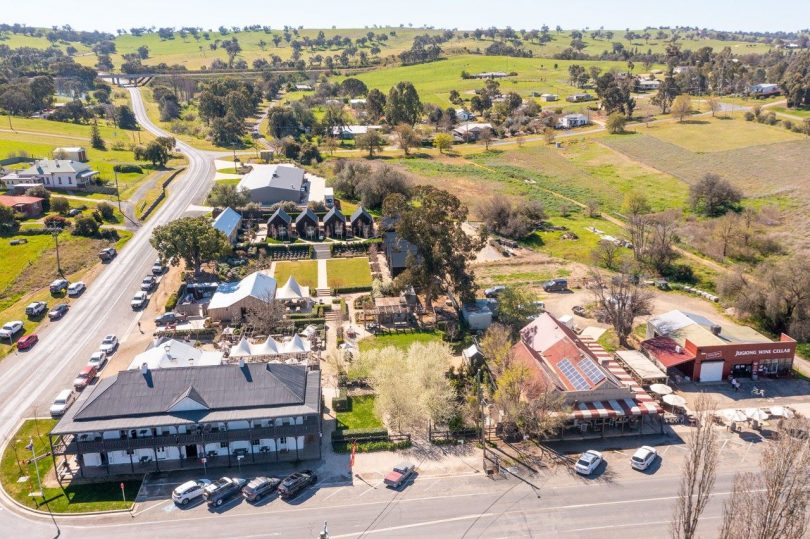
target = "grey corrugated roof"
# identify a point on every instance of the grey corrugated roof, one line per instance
(334, 213)
(282, 214)
(219, 386)
(227, 221)
(398, 250)
(306, 212)
(277, 176)
(359, 212)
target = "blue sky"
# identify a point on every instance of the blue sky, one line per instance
(467, 14)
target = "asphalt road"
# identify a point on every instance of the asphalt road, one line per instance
(30, 380)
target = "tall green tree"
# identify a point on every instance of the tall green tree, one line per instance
(403, 105)
(95, 139)
(375, 105)
(431, 221)
(371, 141)
(125, 118)
(227, 196)
(156, 153)
(667, 92)
(190, 239)
(516, 307)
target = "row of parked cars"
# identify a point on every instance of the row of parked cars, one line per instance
(98, 360)
(148, 284)
(227, 488)
(589, 461)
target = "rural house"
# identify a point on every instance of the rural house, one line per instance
(228, 222)
(579, 98)
(53, 174)
(155, 420)
(549, 97)
(30, 207)
(349, 132)
(470, 131)
(569, 121)
(73, 153)
(396, 252)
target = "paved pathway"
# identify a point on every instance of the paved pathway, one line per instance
(322, 276)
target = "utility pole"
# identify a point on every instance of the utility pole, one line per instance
(55, 233)
(36, 466)
(117, 190)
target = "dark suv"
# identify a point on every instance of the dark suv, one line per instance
(223, 489)
(556, 285)
(260, 487)
(295, 483)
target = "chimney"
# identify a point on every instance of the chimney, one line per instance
(144, 368)
(716, 329)
(241, 363)
(678, 349)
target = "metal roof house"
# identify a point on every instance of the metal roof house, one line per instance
(228, 222)
(52, 173)
(232, 301)
(361, 223)
(145, 420)
(334, 224)
(396, 252)
(268, 184)
(307, 224)
(169, 353)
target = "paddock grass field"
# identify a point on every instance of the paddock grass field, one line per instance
(705, 135)
(304, 271)
(348, 272)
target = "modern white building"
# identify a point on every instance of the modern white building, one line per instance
(570, 121)
(53, 174)
(232, 301)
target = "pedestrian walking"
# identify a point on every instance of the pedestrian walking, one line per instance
(139, 327)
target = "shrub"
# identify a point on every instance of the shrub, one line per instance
(171, 303)
(749, 116)
(354, 434)
(84, 225)
(124, 168)
(56, 221)
(106, 210)
(60, 205)
(341, 402)
(369, 447)
(787, 124)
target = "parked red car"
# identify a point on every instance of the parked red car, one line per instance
(85, 377)
(27, 341)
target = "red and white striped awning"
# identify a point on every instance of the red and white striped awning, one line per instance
(613, 408)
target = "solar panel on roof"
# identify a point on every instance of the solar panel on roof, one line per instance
(573, 375)
(590, 369)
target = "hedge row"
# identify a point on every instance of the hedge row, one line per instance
(304, 322)
(353, 434)
(352, 289)
(369, 447)
(171, 303)
(207, 332)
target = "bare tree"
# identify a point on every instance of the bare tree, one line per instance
(267, 316)
(486, 137)
(773, 503)
(531, 405)
(714, 105)
(726, 231)
(619, 302)
(663, 234)
(497, 347)
(607, 254)
(592, 208)
(698, 472)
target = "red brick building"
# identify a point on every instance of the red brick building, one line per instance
(694, 346)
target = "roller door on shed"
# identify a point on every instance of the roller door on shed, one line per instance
(711, 371)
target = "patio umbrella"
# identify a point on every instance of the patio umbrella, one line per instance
(661, 389)
(756, 414)
(733, 416)
(781, 411)
(675, 400)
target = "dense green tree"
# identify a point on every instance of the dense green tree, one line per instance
(125, 118)
(432, 221)
(190, 239)
(796, 80)
(353, 87)
(60, 205)
(375, 105)
(516, 307)
(227, 131)
(156, 153)
(403, 105)
(8, 224)
(95, 139)
(713, 196)
(85, 225)
(224, 195)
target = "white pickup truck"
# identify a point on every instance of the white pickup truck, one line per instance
(399, 475)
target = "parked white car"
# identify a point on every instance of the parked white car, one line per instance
(189, 490)
(98, 360)
(139, 300)
(588, 462)
(62, 402)
(75, 289)
(643, 457)
(10, 329)
(109, 344)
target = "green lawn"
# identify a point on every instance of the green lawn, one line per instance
(802, 112)
(578, 250)
(348, 272)
(399, 340)
(71, 499)
(304, 271)
(361, 414)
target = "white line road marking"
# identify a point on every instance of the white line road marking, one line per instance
(416, 525)
(337, 491)
(633, 525)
